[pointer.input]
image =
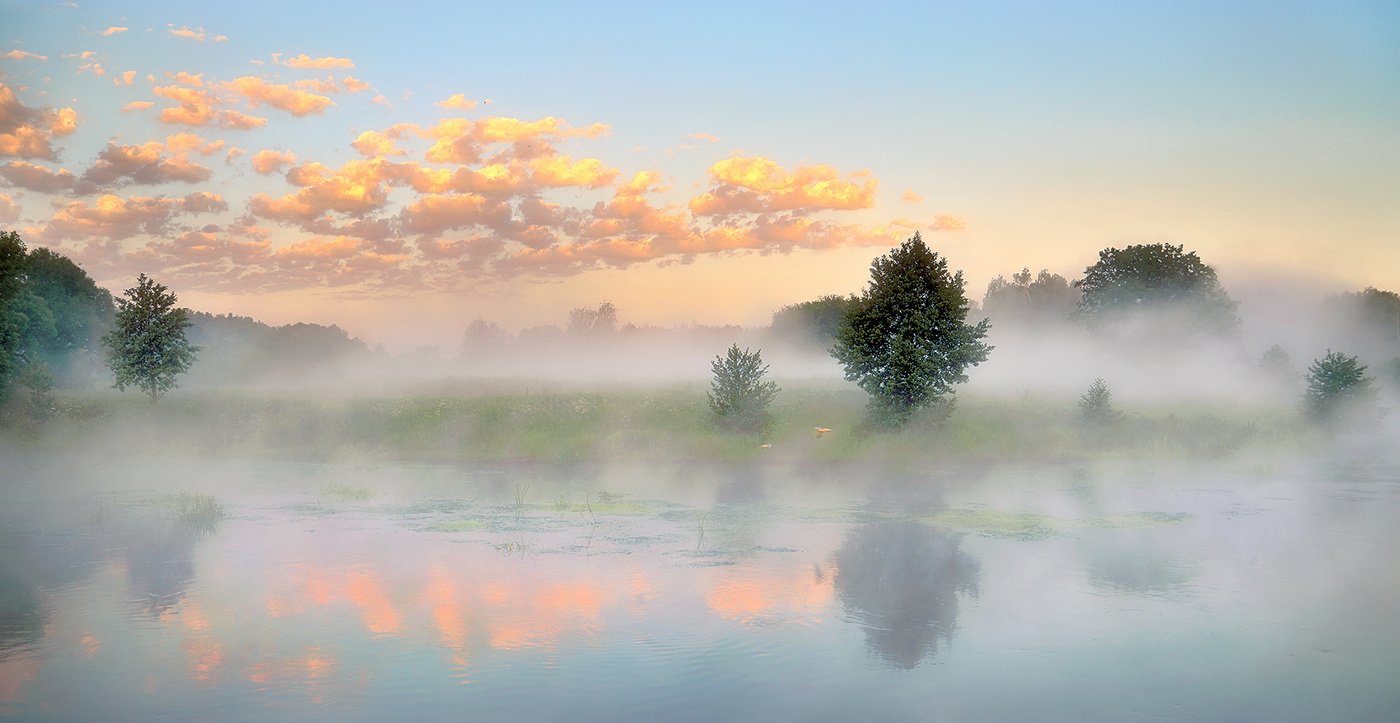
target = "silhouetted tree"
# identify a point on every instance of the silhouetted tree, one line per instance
(814, 322)
(601, 321)
(739, 397)
(82, 311)
(483, 336)
(1046, 298)
(905, 340)
(148, 348)
(1158, 277)
(1338, 388)
(1096, 405)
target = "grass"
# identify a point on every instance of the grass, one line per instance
(670, 424)
(336, 492)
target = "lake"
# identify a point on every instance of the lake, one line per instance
(1135, 590)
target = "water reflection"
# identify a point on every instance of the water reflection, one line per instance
(159, 563)
(900, 581)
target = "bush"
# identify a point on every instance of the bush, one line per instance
(1339, 389)
(739, 397)
(1096, 405)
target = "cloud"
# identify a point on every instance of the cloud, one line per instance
(114, 217)
(319, 85)
(22, 55)
(305, 61)
(283, 97)
(36, 178)
(436, 213)
(458, 101)
(202, 202)
(233, 152)
(94, 68)
(29, 132)
(148, 164)
(357, 188)
(197, 106)
(353, 85)
(377, 143)
(458, 140)
(137, 105)
(197, 34)
(126, 78)
(114, 30)
(559, 171)
(9, 210)
(911, 197)
(758, 185)
(267, 161)
(704, 137)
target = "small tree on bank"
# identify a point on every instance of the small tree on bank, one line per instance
(1338, 388)
(148, 348)
(1096, 406)
(905, 340)
(739, 397)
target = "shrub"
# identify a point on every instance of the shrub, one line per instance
(1338, 388)
(739, 397)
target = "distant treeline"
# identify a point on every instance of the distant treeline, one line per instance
(53, 317)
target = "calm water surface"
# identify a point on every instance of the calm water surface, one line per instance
(1237, 591)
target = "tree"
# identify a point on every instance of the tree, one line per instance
(814, 322)
(81, 310)
(1156, 277)
(1023, 300)
(594, 322)
(23, 316)
(1338, 388)
(905, 340)
(148, 348)
(1096, 405)
(739, 397)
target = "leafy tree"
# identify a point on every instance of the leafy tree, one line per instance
(148, 348)
(1338, 388)
(1046, 298)
(905, 340)
(82, 311)
(1277, 365)
(739, 397)
(1155, 277)
(601, 321)
(481, 336)
(1096, 405)
(23, 316)
(814, 322)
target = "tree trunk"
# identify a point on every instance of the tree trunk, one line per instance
(151, 386)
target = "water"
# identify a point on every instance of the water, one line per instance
(1230, 592)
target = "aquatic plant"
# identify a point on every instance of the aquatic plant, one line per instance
(202, 513)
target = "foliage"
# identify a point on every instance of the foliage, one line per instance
(483, 336)
(1373, 318)
(239, 348)
(815, 322)
(82, 311)
(1337, 389)
(1096, 405)
(1047, 298)
(13, 321)
(1158, 277)
(1276, 364)
(601, 321)
(739, 398)
(905, 340)
(148, 348)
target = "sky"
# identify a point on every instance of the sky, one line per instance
(403, 171)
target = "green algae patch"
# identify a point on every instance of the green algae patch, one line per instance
(1029, 526)
(345, 493)
(1026, 526)
(460, 526)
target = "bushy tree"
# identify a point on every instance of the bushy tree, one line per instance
(814, 322)
(1338, 388)
(601, 321)
(1155, 277)
(1096, 405)
(1024, 300)
(905, 340)
(148, 348)
(739, 397)
(23, 316)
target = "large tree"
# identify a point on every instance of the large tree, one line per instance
(82, 310)
(1045, 299)
(148, 348)
(1157, 278)
(905, 340)
(24, 319)
(813, 322)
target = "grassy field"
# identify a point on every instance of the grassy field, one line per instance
(623, 424)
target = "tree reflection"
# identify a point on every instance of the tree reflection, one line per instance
(160, 563)
(901, 581)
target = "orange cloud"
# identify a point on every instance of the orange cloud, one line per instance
(126, 78)
(559, 171)
(704, 137)
(758, 185)
(436, 213)
(22, 55)
(266, 162)
(458, 101)
(458, 140)
(197, 34)
(196, 107)
(137, 105)
(9, 210)
(36, 178)
(306, 61)
(29, 132)
(911, 197)
(353, 85)
(283, 97)
(114, 217)
(376, 143)
(340, 247)
(146, 164)
(114, 30)
(356, 188)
